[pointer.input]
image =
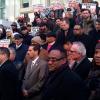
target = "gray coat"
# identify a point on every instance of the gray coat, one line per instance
(34, 78)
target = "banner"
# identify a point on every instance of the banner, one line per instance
(5, 43)
(73, 3)
(90, 6)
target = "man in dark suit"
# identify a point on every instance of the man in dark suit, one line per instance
(82, 64)
(8, 77)
(20, 49)
(35, 75)
(62, 83)
(51, 42)
(64, 33)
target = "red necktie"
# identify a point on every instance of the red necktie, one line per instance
(49, 46)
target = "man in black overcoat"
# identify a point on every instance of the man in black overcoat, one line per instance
(8, 77)
(62, 83)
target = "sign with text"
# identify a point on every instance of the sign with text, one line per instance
(4, 43)
(90, 6)
(73, 3)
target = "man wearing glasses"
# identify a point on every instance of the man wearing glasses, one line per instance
(62, 84)
(78, 52)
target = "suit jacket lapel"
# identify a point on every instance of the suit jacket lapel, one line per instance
(34, 67)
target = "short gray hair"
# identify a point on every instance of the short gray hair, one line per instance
(81, 48)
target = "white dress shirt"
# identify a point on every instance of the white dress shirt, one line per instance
(34, 61)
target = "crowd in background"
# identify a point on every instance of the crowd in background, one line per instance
(61, 61)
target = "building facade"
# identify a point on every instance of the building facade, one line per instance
(11, 9)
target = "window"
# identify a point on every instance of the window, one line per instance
(25, 3)
(2, 9)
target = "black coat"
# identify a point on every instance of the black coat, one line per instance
(20, 53)
(54, 46)
(8, 81)
(94, 37)
(27, 39)
(62, 38)
(94, 82)
(63, 84)
(83, 68)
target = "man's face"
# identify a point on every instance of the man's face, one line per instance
(97, 26)
(24, 32)
(42, 28)
(50, 39)
(67, 46)
(13, 26)
(85, 14)
(64, 26)
(2, 57)
(53, 60)
(38, 20)
(29, 28)
(58, 21)
(97, 57)
(31, 52)
(77, 30)
(18, 41)
(74, 52)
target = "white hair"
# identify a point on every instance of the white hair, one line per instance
(80, 48)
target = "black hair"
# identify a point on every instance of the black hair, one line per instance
(86, 10)
(4, 50)
(43, 37)
(79, 25)
(36, 47)
(98, 20)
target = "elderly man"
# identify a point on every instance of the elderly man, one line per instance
(82, 65)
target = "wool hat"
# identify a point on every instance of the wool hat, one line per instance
(14, 24)
(51, 34)
(37, 39)
(97, 46)
(18, 36)
(23, 28)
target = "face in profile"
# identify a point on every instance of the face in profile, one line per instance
(97, 57)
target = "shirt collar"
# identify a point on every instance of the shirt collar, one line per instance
(3, 62)
(52, 43)
(34, 61)
(17, 46)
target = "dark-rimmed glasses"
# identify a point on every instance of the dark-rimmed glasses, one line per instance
(54, 59)
(77, 29)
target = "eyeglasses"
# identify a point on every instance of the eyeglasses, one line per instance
(77, 29)
(54, 59)
(72, 51)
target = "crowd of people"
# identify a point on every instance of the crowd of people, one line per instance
(61, 61)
